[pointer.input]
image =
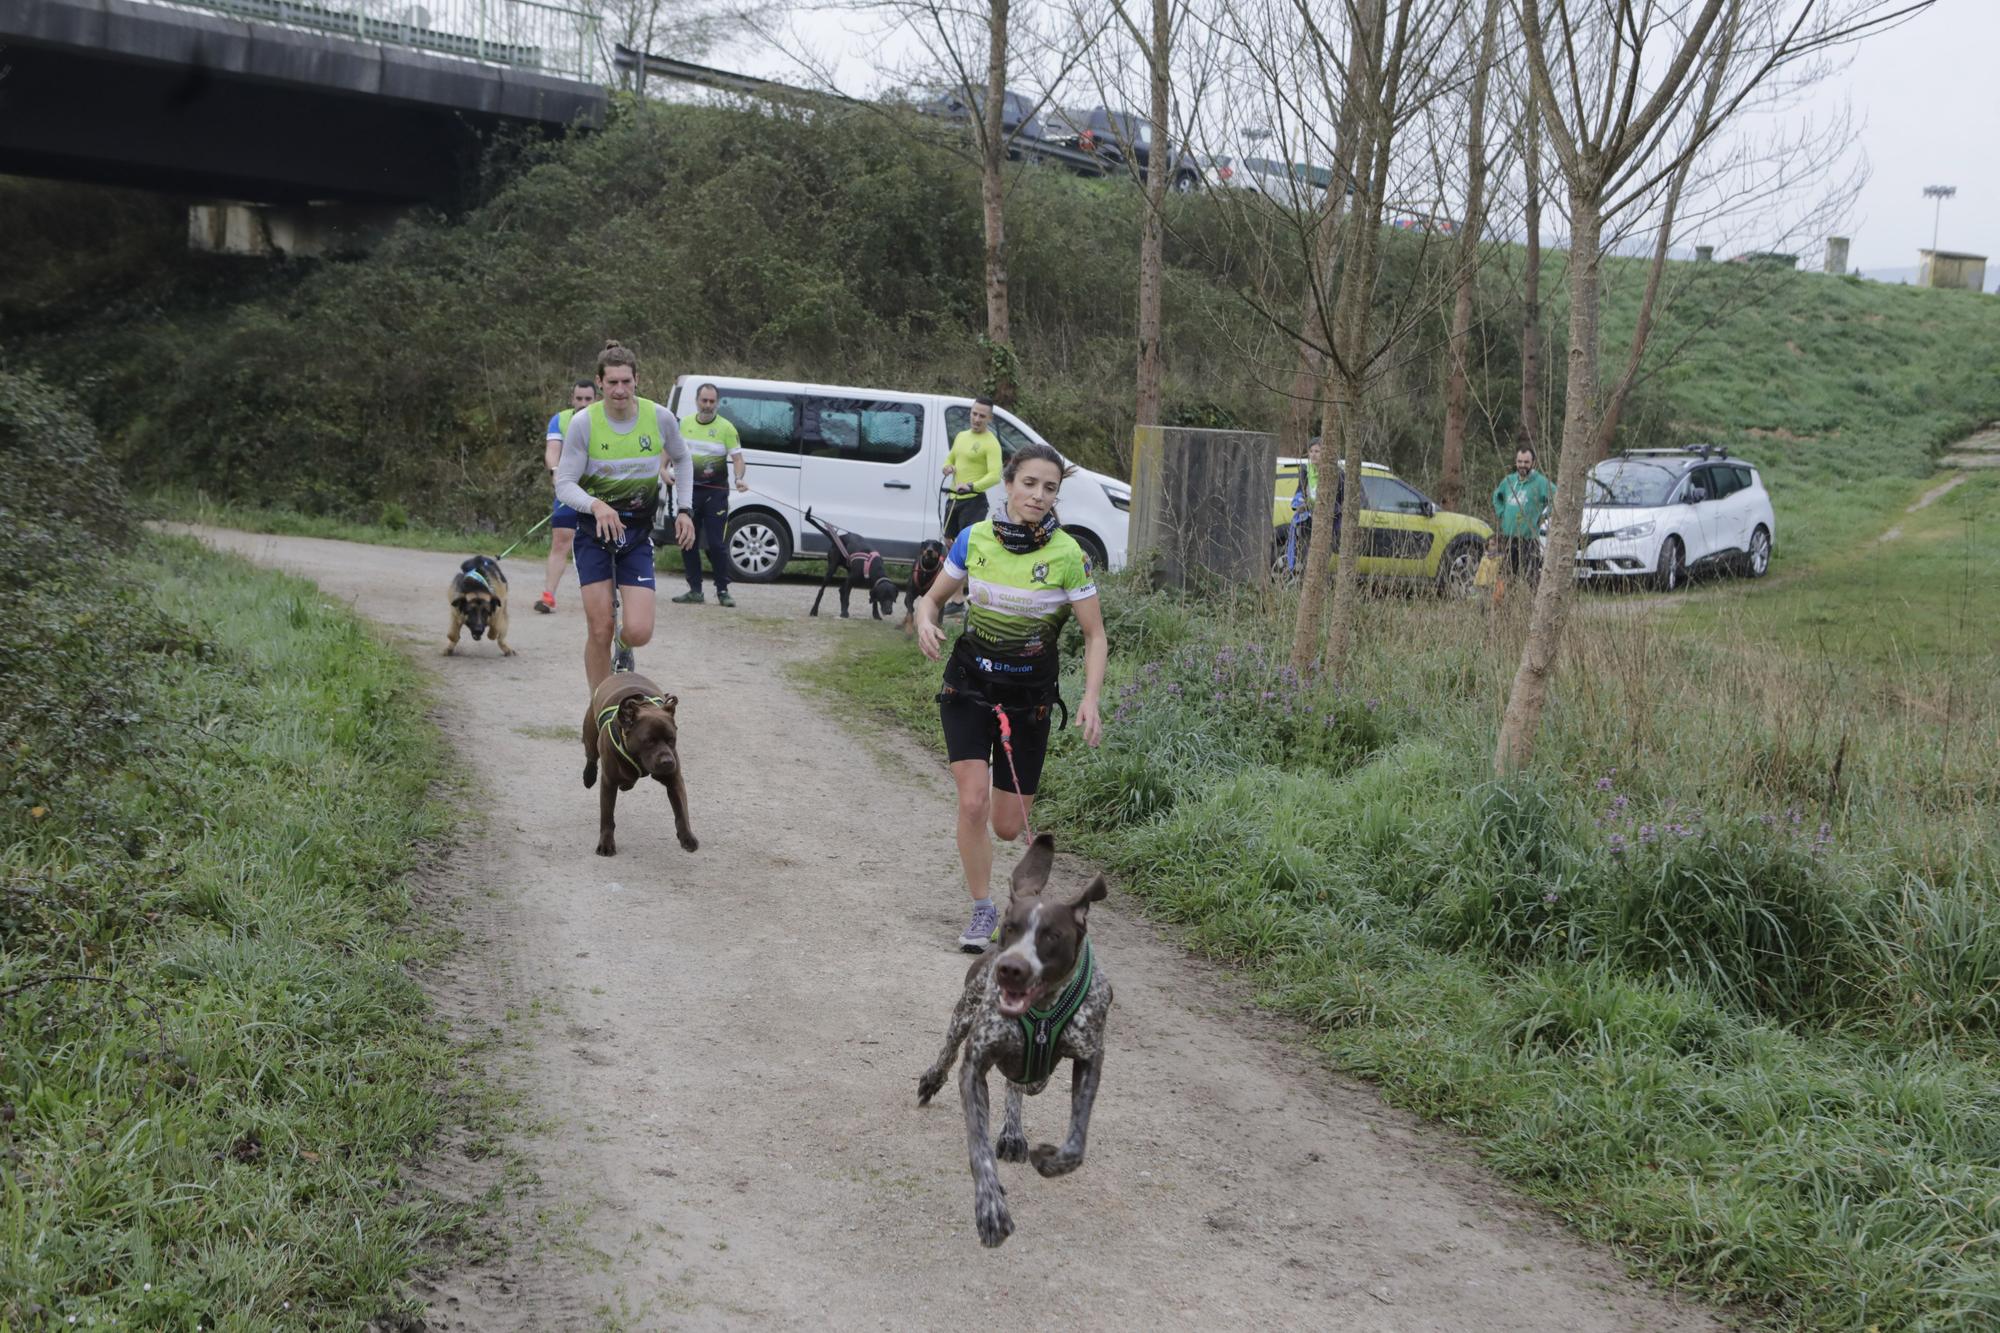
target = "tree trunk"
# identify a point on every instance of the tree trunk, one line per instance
(1531, 282)
(1329, 301)
(1451, 473)
(1519, 726)
(1152, 234)
(992, 195)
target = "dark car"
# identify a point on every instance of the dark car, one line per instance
(1114, 136)
(1017, 111)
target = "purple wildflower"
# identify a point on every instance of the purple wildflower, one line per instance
(1617, 844)
(1604, 784)
(1267, 696)
(1645, 833)
(1373, 705)
(1549, 898)
(1618, 804)
(1174, 688)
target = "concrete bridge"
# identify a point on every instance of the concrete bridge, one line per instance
(301, 121)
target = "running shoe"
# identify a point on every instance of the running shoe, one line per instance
(621, 655)
(547, 604)
(981, 929)
(689, 598)
(724, 598)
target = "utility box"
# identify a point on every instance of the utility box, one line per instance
(1836, 254)
(1201, 505)
(1950, 268)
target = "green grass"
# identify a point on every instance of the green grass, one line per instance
(216, 1059)
(1717, 981)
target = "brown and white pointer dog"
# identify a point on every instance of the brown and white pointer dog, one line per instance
(1044, 966)
(478, 598)
(630, 731)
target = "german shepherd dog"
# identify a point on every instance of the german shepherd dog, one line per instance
(853, 568)
(930, 564)
(478, 597)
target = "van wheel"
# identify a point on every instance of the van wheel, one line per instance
(1093, 549)
(759, 546)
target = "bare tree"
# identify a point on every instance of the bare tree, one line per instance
(1531, 273)
(1451, 472)
(1630, 94)
(1157, 46)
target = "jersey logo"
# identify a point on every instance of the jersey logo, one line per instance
(645, 444)
(1041, 572)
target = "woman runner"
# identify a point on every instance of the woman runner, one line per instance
(1023, 576)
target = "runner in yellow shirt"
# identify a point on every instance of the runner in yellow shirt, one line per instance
(717, 450)
(971, 469)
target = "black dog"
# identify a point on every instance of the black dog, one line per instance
(930, 564)
(858, 569)
(478, 598)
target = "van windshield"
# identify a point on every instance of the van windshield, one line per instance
(1630, 483)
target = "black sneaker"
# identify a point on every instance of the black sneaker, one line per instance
(621, 656)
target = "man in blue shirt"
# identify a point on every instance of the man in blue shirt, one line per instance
(562, 519)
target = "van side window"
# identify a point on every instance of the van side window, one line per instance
(958, 417)
(762, 421)
(866, 432)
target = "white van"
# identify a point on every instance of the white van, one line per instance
(870, 461)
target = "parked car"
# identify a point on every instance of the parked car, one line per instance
(1017, 112)
(1405, 537)
(869, 460)
(1660, 514)
(1111, 135)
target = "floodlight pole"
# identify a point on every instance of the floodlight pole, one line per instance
(1939, 193)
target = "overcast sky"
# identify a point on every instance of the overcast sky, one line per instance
(1925, 98)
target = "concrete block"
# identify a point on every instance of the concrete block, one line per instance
(1201, 505)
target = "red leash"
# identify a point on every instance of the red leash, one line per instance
(1007, 747)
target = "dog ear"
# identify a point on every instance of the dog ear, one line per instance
(628, 710)
(669, 703)
(1094, 892)
(1031, 876)
(458, 602)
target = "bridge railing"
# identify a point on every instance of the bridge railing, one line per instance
(526, 34)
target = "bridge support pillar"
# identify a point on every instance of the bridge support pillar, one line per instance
(290, 231)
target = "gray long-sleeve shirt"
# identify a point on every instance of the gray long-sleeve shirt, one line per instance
(575, 459)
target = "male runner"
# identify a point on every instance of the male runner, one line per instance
(562, 519)
(614, 461)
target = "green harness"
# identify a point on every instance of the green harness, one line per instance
(606, 716)
(1042, 1029)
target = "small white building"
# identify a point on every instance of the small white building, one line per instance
(1950, 268)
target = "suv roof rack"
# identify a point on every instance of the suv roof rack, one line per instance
(1696, 450)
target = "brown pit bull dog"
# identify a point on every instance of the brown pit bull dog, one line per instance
(630, 730)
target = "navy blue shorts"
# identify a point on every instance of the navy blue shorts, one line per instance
(631, 561)
(562, 516)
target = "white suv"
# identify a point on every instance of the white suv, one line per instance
(870, 461)
(1659, 514)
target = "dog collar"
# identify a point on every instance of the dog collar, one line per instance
(1042, 1029)
(607, 716)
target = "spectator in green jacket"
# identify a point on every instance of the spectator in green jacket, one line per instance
(971, 469)
(1521, 502)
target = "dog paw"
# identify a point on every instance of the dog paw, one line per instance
(1011, 1148)
(590, 773)
(450, 648)
(1051, 1161)
(689, 842)
(606, 847)
(990, 1215)
(505, 651)
(928, 1085)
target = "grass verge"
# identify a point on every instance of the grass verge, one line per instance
(1717, 981)
(215, 1058)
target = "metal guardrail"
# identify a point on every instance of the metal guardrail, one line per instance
(523, 34)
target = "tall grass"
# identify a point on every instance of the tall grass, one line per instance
(1716, 979)
(213, 1057)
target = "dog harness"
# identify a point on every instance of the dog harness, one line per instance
(478, 578)
(607, 716)
(1042, 1029)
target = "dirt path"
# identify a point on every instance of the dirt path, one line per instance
(721, 1048)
